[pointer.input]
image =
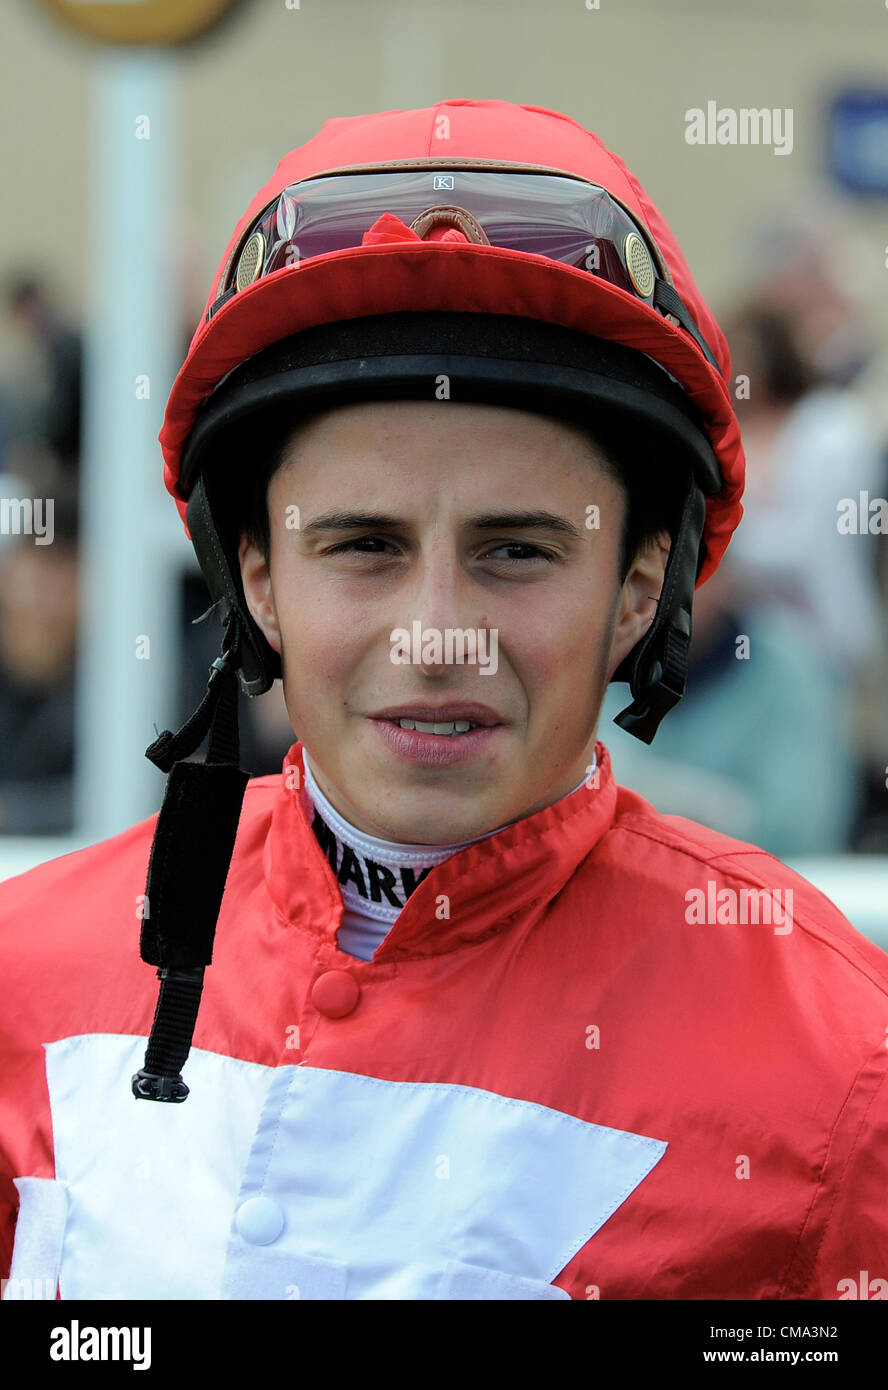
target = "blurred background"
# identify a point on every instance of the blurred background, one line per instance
(125, 169)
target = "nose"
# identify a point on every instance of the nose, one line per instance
(441, 596)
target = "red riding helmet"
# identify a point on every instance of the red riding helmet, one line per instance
(502, 246)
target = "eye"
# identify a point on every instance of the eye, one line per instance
(353, 546)
(522, 559)
(357, 547)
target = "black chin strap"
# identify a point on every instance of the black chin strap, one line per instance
(659, 669)
(190, 858)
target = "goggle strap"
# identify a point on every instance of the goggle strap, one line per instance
(670, 301)
(217, 303)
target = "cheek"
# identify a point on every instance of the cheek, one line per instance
(313, 652)
(320, 635)
(560, 640)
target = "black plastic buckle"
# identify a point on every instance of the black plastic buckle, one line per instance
(149, 1085)
(221, 665)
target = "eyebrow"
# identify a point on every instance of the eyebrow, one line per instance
(485, 521)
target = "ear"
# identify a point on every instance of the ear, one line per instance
(259, 595)
(639, 595)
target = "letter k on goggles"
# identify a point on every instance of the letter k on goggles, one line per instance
(560, 216)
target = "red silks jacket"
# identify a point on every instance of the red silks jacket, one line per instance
(603, 1053)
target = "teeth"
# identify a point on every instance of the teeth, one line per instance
(453, 726)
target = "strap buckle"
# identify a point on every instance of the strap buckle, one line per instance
(149, 1085)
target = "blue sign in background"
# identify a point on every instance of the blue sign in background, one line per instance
(858, 141)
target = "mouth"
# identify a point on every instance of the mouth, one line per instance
(443, 721)
(437, 737)
(452, 728)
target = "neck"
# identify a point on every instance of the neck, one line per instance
(375, 876)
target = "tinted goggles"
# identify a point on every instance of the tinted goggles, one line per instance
(558, 216)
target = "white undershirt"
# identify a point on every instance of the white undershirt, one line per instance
(376, 877)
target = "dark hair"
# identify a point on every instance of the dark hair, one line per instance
(652, 474)
(646, 469)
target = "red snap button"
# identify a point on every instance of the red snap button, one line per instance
(335, 993)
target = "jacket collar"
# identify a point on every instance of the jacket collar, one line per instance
(527, 862)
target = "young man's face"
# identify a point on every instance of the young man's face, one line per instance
(555, 629)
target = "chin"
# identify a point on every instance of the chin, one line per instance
(432, 830)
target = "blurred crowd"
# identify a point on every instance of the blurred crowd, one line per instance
(782, 737)
(40, 403)
(41, 369)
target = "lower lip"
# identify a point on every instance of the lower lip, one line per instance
(435, 750)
